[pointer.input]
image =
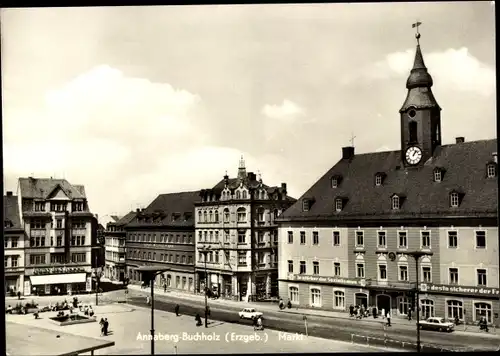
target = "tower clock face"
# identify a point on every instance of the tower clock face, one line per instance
(413, 155)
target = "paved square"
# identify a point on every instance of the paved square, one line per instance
(130, 329)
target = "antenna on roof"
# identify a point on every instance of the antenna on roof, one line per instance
(352, 139)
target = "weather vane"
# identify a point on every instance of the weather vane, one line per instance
(417, 35)
(352, 139)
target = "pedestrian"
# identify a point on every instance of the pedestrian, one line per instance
(255, 323)
(351, 310)
(374, 312)
(165, 288)
(177, 310)
(198, 319)
(148, 301)
(19, 295)
(362, 311)
(409, 314)
(388, 318)
(106, 325)
(101, 323)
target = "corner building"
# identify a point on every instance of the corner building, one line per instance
(236, 220)
(347, 240)
(115, 238)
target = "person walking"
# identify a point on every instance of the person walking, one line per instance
(177, 310)
(106, 326)
(351, 310)
(409, 314)
(165, 288)
(101, 323)
(374, 312)
(18, 295)
(388, 318)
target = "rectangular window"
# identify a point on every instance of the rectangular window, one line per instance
(226, 236)
(302, 267)
(6, 243)
(382, 269)
(426, 274)
(5, 261)
(315, 238)
(360, 239)
(360, 270)
(336, 238)
(183, 259)
(315, 297)
(59, 224)
(216, 257)
(37, 259)
(241, 236)
(78, 257)
(382, 243)
(302, 237)
(290, 237)
(336, 269)
(290, 266)
(480, 239)
(453, 275)
(481, 277)
(39, 206)
(242, 258)
(339, 299)
(403, 241)
(217, 236)
(14, 261)
(59, 241)
(294, 294)
(403, 273)
(316, 268)
(177, 282)
(452, 239)
(426, 239)
(190, 260)
(260, 237)
(13, 242)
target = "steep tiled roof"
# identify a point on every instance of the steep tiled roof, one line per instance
(164, 209)
(41, 188)
(11, 212)
(126, 219)
(233, 183)
(464, 168)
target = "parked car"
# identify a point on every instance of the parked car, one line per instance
(435, 323)
(249, 313)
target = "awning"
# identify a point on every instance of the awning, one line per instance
(58, 278)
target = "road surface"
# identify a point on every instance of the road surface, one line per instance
(325, 327)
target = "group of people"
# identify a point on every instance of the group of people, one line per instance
(282, 305)
(483, 324)
(360, 311)
(104, 326)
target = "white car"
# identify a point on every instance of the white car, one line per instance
(438, 324)
(249, 313)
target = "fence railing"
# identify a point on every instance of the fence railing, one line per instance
(405, 345)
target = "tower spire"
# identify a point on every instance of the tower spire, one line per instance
(242, 172)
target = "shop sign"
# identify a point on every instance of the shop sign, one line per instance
(459, 289)
(321, 279)
(58, 270)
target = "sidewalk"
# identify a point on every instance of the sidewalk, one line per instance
(469, 329)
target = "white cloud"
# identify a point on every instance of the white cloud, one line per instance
(454, 68)
(124, 138)
(287, 111)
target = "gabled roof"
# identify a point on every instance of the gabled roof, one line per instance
(234, 183)
(115, 218)
(11, 212)
(163, 209)
(465, 165)
(125, 219)
(41, 188)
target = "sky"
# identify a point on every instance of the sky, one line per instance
(133, 102)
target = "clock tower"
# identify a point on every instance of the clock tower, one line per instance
(420, 115)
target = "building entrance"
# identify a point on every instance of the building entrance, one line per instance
(384, 302)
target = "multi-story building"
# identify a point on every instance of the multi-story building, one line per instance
(236, 221)
(115, 237)
(162, 235)
(14, 240)
(349, 238)
(59, 227)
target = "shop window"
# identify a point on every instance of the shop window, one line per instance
(455, 309)
(338, 299)
(482, 309)
(404, 304)
(294, 294)
(315, 297)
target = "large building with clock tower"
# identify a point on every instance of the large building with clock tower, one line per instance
(349, 239)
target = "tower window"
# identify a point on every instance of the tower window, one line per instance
(412, 113)
(413, 131)
(491, 170)
(454, 201)
(334, 182)
(395, 202)
(378, 179)
(338, 204)
(437, 175)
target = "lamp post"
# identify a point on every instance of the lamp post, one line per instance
(416, 256)
(205, 251)
(97, 273)
(149, 273)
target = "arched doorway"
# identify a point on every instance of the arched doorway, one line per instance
(361, 299)
(383, 302)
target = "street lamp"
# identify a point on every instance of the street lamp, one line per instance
(149, 273)
(205, 251)
(416, 256)
(97, 273)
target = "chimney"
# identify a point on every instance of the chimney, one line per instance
(283, 187)
(251, 176)
(494, 154)
(347, 152)
(9, 194)
(459, 139)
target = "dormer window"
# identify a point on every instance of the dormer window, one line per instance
(395, 203)
(338, 204)
(305, 205)
(454, 199)
(437, 175)
(335, 182)
(379, 178)
(491, 170)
